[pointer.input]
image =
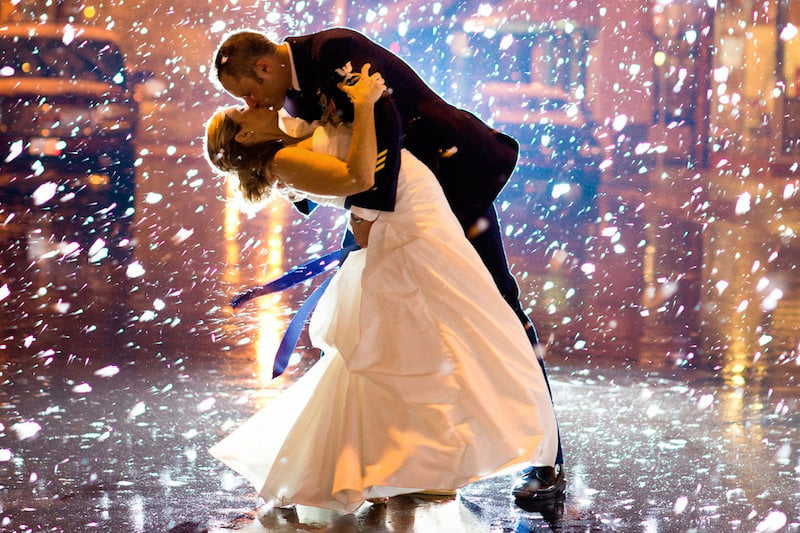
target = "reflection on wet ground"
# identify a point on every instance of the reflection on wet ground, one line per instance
(121, 364)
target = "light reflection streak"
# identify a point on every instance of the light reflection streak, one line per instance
(731, 324)
(136, 509)
(271, 322)
(231, 231)
(733, 327)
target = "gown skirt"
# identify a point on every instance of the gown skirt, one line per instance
(428, 380)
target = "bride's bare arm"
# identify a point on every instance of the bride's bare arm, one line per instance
(323, 174)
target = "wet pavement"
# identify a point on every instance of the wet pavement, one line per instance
(121, 364)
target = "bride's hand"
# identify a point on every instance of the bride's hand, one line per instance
(367, 90)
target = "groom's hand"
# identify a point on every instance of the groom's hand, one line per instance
(360, 228)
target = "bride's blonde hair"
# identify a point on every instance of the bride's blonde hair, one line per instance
(246, 163)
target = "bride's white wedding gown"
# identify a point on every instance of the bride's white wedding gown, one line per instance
(428, 380)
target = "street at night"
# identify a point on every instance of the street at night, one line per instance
(651, 225)
(121, 373)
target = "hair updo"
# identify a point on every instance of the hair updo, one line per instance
(249, 163)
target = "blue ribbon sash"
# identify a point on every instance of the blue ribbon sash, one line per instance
(291, 278)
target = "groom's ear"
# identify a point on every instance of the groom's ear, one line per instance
(262, 68)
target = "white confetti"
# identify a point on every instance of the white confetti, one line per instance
(153, 198)
(137, 410)
(619, 122)
(107, 371)
(26, 430)
(98, 251)
(680, 505)
(4, 291)
(191, 454)
(206, 404)
(652, 411)
(83, 388)
(16, 150)
(705, 401)
(773, 522)
(789, 32)
(743, 204)
(69, 34)
(44, 193)
(784, 453)
(721, 286)
(134, 270)
(181, 235)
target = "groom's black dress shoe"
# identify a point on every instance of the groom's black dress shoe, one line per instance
(540, 483)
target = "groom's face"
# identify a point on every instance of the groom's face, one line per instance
(249, 89)
(262, 89)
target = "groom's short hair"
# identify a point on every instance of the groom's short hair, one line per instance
(237, 54)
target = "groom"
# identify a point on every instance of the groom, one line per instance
(471, 161)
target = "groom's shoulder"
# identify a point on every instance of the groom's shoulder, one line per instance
(340, 32)
(329, 36)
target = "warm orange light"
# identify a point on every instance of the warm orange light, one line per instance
(230, 231)
(98, 180)
(89, 12)
(271, 321)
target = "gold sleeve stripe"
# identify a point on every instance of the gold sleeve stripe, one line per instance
(381, 161)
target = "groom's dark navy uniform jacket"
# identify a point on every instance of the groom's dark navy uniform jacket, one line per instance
(471, 161)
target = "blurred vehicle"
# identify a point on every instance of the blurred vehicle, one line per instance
(67, 117)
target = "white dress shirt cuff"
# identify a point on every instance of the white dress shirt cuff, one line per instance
(363, 212)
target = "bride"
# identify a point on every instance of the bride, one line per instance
(428, 380)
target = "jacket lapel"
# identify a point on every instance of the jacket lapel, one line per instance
(305, 102)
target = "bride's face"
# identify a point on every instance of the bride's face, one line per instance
(256, 125)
